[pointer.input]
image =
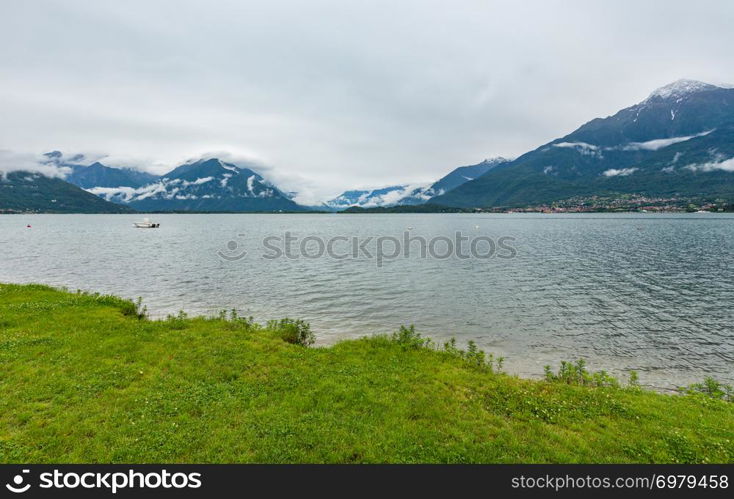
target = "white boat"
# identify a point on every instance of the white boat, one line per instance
(146, 224)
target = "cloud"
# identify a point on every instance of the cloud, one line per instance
(654, 145)
(726, 165)
(383, 196)
(117, 194)
(337, 94)
(11, 161)
(392, 197)
(581, 147)
(622, 172)
(245, 160)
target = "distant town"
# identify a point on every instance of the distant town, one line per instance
(625, 203)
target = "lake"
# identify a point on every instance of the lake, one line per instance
(649, 292)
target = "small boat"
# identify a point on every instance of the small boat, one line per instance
(146, 224)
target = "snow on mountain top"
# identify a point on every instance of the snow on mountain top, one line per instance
(495, 160)
(681, 88)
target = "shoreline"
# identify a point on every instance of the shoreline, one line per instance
(367, 212)
(332, 337)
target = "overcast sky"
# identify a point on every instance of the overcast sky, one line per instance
(329, 95)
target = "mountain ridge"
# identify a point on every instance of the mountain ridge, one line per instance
(677, 142)
(412, 194)
(651, 147)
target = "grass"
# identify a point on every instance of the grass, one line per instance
(86, 378)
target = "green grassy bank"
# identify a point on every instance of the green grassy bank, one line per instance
(84, 379)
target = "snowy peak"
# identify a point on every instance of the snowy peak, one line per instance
(681, 88)
(494, 161)
(206, 168)
(203, 185)
(683, 108)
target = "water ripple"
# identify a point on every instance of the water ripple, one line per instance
(645, 292)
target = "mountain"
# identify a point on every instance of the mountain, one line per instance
(205, 185)
(410, 195)
(96, 174)
(99, 175)
(678, 142)
(32, 192)
(464, 174)
(384, 196)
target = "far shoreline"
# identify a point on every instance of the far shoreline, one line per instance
(370, 212)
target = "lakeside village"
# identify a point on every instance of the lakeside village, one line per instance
(627, 203)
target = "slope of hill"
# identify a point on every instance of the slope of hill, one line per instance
(464, 174)
(32, 192)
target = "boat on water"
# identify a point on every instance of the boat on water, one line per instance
(146, 224)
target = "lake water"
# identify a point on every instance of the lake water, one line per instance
(648, 292)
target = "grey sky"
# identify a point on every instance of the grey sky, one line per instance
(338, 94)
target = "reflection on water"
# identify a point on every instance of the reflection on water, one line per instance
(646, 292)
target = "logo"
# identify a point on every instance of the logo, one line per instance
(113, 481)
(233, 252)
(17, 485)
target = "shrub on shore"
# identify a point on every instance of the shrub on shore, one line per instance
(710, 388)
(294, 331)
